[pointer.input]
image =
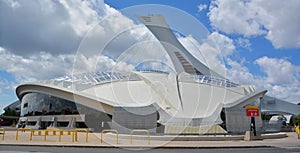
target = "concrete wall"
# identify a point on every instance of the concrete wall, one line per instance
(128, 118)
(237, 122)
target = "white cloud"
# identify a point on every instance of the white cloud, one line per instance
(46, 50)
(83, 64)
(34, 67)
(44, 66)
(6, 85)
(234, 16)
(202, 7)
(245, 43)
(224, 43)
(57, 27)
(40, 37)
(288, 93)
(38, 25)
(278, 20)
(80, 16)
(282, 77)
(281, 81)
(239, 73)
(279, 71)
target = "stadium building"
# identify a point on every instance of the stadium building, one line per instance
(191, 100)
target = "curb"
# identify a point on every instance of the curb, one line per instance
(144, 147)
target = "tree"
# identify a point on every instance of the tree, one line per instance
(9, 112)
(297, 119)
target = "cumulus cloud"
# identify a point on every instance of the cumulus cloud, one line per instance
(44, 65)
(224, 43)
(288, 93)
(43, 25)
(39, 39)
(234, 16)
(57, 26)
(84, 64)
(277, 21)
(281, 80)
(279, 71)
(34, 67)
(240, 73)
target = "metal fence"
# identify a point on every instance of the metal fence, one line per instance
(271, 127)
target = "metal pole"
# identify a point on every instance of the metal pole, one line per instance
(253, 125)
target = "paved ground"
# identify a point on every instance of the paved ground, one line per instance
(141, 142)
(38, 149)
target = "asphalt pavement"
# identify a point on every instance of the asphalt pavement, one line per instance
(38, 149)
(155, 142)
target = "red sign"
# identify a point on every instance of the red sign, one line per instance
(252, 111)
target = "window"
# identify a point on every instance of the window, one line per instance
(80, 125)
(62, 124)
(35, 104)
(31, 123)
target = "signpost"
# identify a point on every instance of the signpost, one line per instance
(252, 111)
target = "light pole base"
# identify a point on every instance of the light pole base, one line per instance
(249, 136)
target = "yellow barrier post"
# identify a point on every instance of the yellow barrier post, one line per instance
(86, 133)
(21, 129)
(108, 130)
(68, 132)
(2, 129)
(38, 133)
(74, 133)
(146, 131)
(52, 132)
(45, 134)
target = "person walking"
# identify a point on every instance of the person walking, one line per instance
(23, 126)
(297, 130)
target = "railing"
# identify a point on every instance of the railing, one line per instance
(271, 127)
(145, 131)
(2, 129)
(54, 132)
(108, 130)
(86, 133)
(37, 133)
(214, 81)
(73, 133)
(21, 129)
(92, 78)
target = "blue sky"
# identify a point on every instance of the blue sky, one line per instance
(260, 42)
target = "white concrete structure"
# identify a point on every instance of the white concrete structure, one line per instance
(193, 96)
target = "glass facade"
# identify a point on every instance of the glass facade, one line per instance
(213, 81)
(37, 104)
(93, 78)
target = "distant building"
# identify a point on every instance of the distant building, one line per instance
(15, 106)
(11, 114)
(271, 105)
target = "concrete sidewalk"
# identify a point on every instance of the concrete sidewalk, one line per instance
(109, 140)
